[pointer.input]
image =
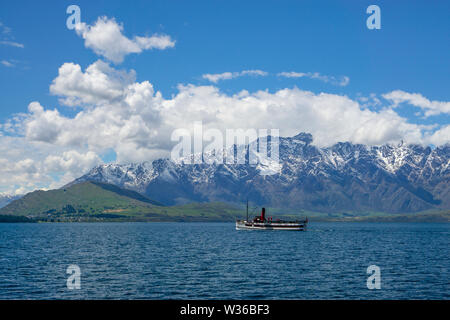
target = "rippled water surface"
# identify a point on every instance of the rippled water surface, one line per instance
(214, 261)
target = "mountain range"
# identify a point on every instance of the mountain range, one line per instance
(5, 199)
(344, 177)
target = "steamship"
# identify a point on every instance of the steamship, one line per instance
(261, 223)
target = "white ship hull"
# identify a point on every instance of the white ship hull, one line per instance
(269, 225)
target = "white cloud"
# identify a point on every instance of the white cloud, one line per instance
(136, 122)
(292, 74)
(431, 108)
(329, 117)
(99, 84)
(216, 77)
(341, 81)
(370, 101)
(12, 44)
(26, 165)
(120, 112)
(344, 81)
(253, 73)
(6, 37)
(48, 127)
(7, 63)
(71, 164)
(106, 39)
(439, 137)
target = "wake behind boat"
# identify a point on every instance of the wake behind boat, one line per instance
(261, 223)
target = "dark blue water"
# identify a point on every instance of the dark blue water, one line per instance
(214, 261)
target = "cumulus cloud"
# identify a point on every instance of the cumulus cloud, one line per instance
(216, 77)
(341, 81)
(106, 38)
(98, 84)
(26, 165)
(439, 137)
(121, 114)
(71, 163)
(329, 117)
(431, 108)
(135, 121)
(118, 113)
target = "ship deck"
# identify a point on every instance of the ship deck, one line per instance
(271, 225)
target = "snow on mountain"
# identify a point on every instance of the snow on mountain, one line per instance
(345, 176)
(6, 199)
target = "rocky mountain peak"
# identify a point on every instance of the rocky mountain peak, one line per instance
(344, 176)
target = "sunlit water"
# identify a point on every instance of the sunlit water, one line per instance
(214, 261)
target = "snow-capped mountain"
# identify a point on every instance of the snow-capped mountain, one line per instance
(5, 199)
(345, 176)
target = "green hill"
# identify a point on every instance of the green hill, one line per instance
(93, 201)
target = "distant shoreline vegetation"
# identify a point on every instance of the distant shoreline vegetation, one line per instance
(14, 219)
(438, 217)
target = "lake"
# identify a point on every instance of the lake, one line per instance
(214, 261)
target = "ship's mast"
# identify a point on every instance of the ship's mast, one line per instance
(247, 210)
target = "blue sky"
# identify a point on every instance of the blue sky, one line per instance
(397, 77)
(410, 52)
